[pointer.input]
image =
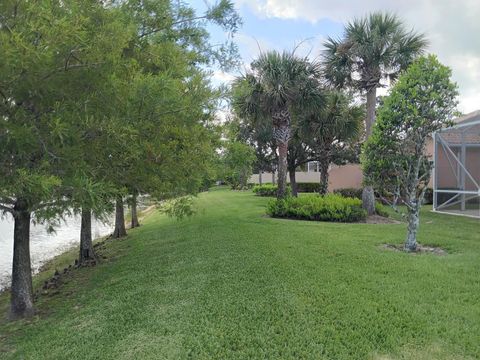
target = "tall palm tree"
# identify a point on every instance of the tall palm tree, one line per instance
(372, 49)
(332, 131)
(277, 84)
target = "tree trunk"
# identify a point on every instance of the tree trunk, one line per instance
(413, 224)
(21, 302)
(281, 134)
(273, 176)
(87, 255)
(260, 177)
(119, 230)
(368, 200)
(368, 195)
(323, 164)
(293, 182)
(371, 103)
(282, 170)
(135, 222)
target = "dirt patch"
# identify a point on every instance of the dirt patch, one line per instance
(377, 219)
(421, 249)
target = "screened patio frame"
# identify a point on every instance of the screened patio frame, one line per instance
(452, 144)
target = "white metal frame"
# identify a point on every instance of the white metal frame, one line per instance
(458, 167)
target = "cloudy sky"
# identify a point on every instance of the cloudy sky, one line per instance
(452, 27)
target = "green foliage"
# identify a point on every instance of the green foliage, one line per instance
(308, 187)
(422, 101)
(373, 48)
(349, 192)
(381, 210)
(271, 190)
(178, 208)
(238, 161)
(330, 207)
(265, 190)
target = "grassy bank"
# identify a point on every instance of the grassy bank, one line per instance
(231, 283)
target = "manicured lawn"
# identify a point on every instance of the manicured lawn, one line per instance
(231, 283)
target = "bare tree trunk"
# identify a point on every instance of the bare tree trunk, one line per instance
(260, 177)
(87, 254)
(413, 225)
(323, 164)
(273, 175)
(368, 195)
(135, 222)
(119, 230)
(293, 182)
(21, 301)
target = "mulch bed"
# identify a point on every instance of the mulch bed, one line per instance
(421, 249)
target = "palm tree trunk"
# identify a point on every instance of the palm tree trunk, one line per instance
(119, 230)
(293, 182)
(281, 134)
(21, 300)
(323, 165)
(368, 195)
(282, 170)
(87, 254)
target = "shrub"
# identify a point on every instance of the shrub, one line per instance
(268, 190)
(381, 210)
(265, 190)
(308, 187)
(331, 207)
(349, 192)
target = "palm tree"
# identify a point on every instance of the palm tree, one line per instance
(333, 131)
(372, 49)
(276, 85)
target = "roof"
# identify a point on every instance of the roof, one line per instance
(468, 118)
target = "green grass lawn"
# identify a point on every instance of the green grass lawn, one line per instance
(230, 283)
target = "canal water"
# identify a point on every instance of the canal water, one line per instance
(44, 246)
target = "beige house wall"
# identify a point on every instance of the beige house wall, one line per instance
(346, 176)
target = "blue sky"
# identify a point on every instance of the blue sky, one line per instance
(452, 27)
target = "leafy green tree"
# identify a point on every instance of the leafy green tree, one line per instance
(277, 84)
(53, 55)
(333, 132)
(372, 49)
(257, 134)
(238, 160)
(394, 160)
(169, 44)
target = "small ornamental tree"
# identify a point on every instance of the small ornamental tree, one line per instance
(394, 158)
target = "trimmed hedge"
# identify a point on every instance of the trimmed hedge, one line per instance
(269, 189)
(265, 190)
(331, 207)
(349, 192)
(308, 187)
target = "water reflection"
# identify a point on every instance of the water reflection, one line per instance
(44, 246)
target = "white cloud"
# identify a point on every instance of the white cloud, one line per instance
(452, 27)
